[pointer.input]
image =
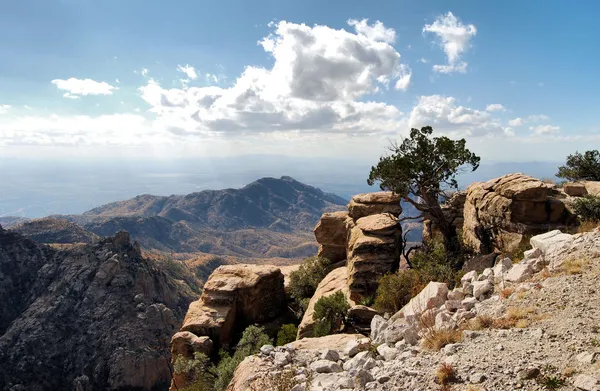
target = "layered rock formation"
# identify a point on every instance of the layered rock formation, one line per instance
(331, 233)
(368, 236)
(234, 297)
(92, 317)
(500, 213)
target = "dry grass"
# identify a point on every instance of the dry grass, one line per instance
(521, 295)
(519, 317)
(588, 226)
(445, 374)
(435, 339)
(471, 387)
(506, 292)
(574, 266)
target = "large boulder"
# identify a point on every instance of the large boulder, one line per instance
(367, 204)
(374, 246)
(575, 189)
(500, 213)
(433, 296)
(592, 187)
(233, 297)
(334, 282)
(331, 233)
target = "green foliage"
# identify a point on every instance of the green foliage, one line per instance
(199, 371)
(226, 369)
(252, 340)
(579, 167)
(367, 301)
(304, 281)
(330, 313)
(588, 207)
(396, 290)
(286, 334)
(430, 263)
(420, 170)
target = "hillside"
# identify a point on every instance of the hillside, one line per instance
(269, 218)
(95, 316)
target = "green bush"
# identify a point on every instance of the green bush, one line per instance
(253, 338)
(588, 207)
(304, 281)
(286, 334)
(579, 167)
(199, 371)
(395, 290)
(330, 313)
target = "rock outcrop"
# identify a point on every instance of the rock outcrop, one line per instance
(334, 282)
(500, 213)
(501, 332)
(373, 250)
(233, 297)
(367, 204)
(96, 316)
(331, 233)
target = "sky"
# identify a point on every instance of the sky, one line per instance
(156, 79)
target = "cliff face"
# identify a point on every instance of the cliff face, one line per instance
(93, 317)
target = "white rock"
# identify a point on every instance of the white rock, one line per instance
(456, 294)
(432, 296)
(468, 303)
(443, 320)
(451, 349)
(281, 358)
(395, 332)
(482, 288)
(587, 357)
(345, 383)
(299, 387)
(325, 366)
(533, 253)
(553, 245)
(378, 326)
(488, 273)
(267, 349)
(411, 336)
(354, 347)
(362, 360)
(519, 272)
(477, 378)
(586, 383)
(452, 305)
(388, 353)
(469, 277)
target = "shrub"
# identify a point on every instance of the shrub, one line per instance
(304, 281)
(199, 372)
(445, 374)
(435, 339)
(330, 313)
(588, 208)
(579, 166)
(253, 338)
(286, 334)
(395, 290)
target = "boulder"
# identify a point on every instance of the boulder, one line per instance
(236, 296)
(519, 273)
(482, 288)
(499, 213)
(361, 315)
(186, 344)
(575, 189)
(480, 262)
(334, 281)
(369, 255)
(552, 246)
(432, 296)
(592, 187)
(331, 233)
(325, 366)
(362, 205)
(337, 342)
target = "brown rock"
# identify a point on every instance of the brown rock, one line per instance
(575, 189)
(186, 344)
(499, 213)
(236, 295)
(331, 233)
(361, 314)
(333, 342)
(362, 205)
(592, 187)
(335, 281)
(380, 224)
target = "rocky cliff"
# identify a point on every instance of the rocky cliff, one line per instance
(530, 325)
(92, 317)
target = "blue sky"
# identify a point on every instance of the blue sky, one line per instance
(101, 77)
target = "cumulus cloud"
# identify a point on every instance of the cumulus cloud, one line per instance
(544, 129)
(538, 118)
(454, 39)
(495, 107)
(317, 83)
(445, 115)
(516, 122)
(189, 71)
(77, 88)
(375, 32)
(4, 109)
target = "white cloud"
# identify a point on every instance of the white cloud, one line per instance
(454, 39)
(211, 78)
(375, 32)
(538, 118)
(316, 84)
(4, 109)
(144, 72)
(444, 115)
(77, 88)
(189, 71)
(516, 122)
(423, 60)
(544, 129)
(495, 107)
